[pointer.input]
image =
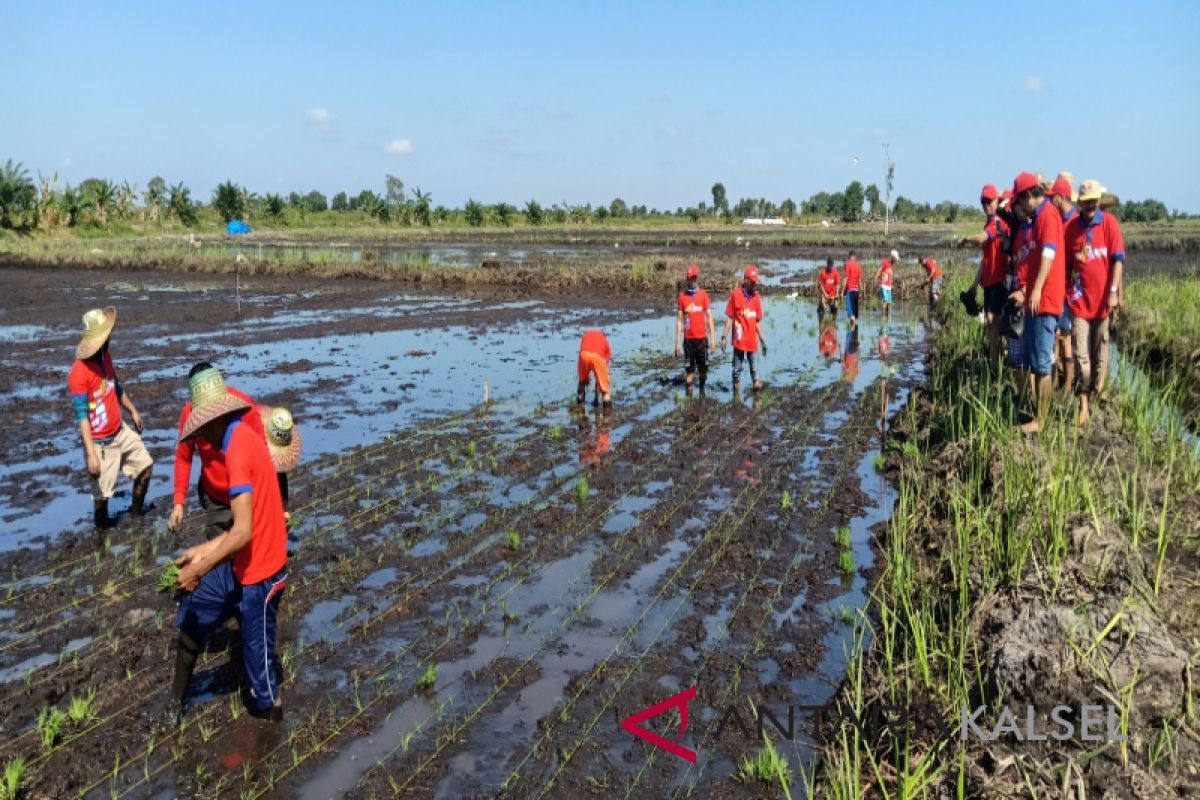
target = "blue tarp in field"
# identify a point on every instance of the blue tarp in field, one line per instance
(237, 227)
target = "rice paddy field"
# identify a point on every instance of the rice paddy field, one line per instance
(487, 580)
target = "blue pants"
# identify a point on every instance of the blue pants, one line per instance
(852, 303)
(220, 597)
(886, 293)
(738, 357)
(1038, 343)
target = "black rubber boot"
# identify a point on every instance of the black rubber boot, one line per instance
(140, 485)
(100, 515)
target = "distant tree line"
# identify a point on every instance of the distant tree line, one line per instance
(27, 204)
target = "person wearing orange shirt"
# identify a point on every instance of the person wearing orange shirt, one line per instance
(995, 241)
(240, 574)
(884, 279)
(933, 278)
(695, 331)
(594, 357)
(743, 326)
(1062, 196)
(828, 281)
(110, 447)
(851, 287)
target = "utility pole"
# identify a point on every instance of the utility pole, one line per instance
(891, 172)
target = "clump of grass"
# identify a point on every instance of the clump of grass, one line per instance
(471, 450)
(581, 489)
(880, 462)
(846, 562)
(14, 771)
(49, 725)
(429, 677)
(766, 767)
(83, 708)
(786, 501)
(555, 434)
(514, 540)
(169, 580)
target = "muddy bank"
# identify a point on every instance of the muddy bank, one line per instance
(1004, 593)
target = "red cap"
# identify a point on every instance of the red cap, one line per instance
(751, 273)
(693, 271)
(1024, 182)
(1007, 195)
(988, 193)
(1061, 187)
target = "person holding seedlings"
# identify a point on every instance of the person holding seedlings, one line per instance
(851, 287)
(743, 318)
(995, 243)
(884, 278)
(241, 573)
(97, 396)
(933, 278)
(1096, 259)
(594, 357)
(828, 280)
(694, 329)
(1041, 287)
(1061, 195)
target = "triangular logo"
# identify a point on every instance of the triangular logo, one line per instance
(633, 724)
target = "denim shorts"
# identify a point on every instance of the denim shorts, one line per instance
(1037, 345)
(886, 293)
(1064, 320)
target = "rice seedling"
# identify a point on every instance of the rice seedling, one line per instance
(766, 767)
(841, 537)
(786, 501)
(514, 540)
(581, 489)
(880, 462)
(169, 580)
(49, 725)
(83, 709)
(14, 772)
(429, 677)
(846, 562)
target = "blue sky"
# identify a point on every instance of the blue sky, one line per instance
(584, 102)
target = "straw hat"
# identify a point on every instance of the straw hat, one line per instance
(210, 400)
(283, 437)
(97, 326)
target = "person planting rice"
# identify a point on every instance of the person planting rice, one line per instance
(933, 278)
(851, 287)
(1096, 260)
(97, 396)
(1061, 195)
(743, 318)
(594, 357)
(694, 329)
(212, 489)
(884, 278)
(1041, 287)
(996, 243)
(240, 574)
(828, 280)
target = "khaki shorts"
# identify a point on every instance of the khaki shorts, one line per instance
(125, 453)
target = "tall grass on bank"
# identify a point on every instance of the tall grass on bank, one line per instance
(991, 514)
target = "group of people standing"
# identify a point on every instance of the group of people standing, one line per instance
(245, 451)
(1052, 272)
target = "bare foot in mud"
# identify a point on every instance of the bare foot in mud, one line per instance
(1030, 427)
(1084, 415)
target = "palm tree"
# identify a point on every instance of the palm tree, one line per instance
(503, 213)
(104, 196)
(273, 205)
(474, 212)
(227, 200)
(17, 192)
(421, 208)
(179, 202)
(156, 193)
(534, 214)
(71, 202)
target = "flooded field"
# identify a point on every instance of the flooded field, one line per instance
(480, 592)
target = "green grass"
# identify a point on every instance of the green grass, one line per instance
(581, 489)
(49, 724)
(169, 580)
(82, 708)
(514, 540)
(429, 677)
(14, 772)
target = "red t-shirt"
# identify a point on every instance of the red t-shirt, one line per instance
(594, 341)
(829, 280)
(1042, 235)
(746, 313)
(213, 475)
(94, 381)
(1091, 252)
(885, 274)
(251, 470)
(994, 259)
(932, 270)
(695, 306)
(853, 275)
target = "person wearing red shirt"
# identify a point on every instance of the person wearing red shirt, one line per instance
(743, 325)
(97, 397)
(883, 277)
(995, 242)
(594, 357)
(933, 278)
(1061, 196)
(1096, 258)
(1041, 286)
(827, 344)
(851, 287)
(828, 280)
(241, 573)
(694, 329)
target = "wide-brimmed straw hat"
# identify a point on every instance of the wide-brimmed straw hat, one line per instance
(283, 437)
(97, 327)
(210, 400)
